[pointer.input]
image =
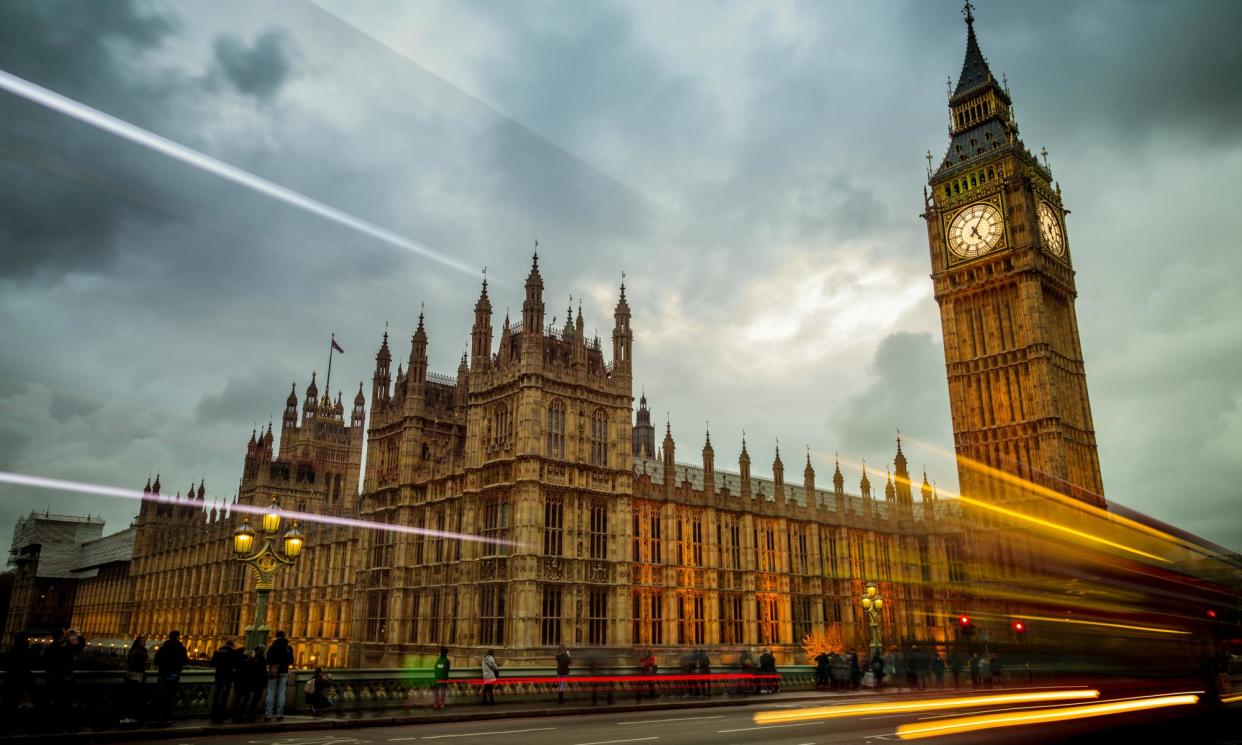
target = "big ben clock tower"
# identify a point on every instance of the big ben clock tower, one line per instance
(1004, 279)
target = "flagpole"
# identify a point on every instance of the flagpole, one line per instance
(327, 386)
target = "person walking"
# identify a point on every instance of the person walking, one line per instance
(59, 678)
(225, 665)
(491, 672)
(767, 668)
(19, 680)
(442, 669)
(747, 662)
(279, 657)
(975, 670)
(704, 668)
(135, 676)
(170, 658)
(251, 683)
(995, 670)
(955, 666)
(562, 672)
(647, 668)
(315, 692)
(855, 670)
(822, 662)
(938, 670)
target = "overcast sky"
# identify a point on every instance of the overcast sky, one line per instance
(754, 168)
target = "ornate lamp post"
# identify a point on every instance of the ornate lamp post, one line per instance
(271, 554)
(872, 603)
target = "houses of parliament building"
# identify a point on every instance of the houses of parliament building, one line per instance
(594, 533)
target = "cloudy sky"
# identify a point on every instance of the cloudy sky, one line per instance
(755, 169)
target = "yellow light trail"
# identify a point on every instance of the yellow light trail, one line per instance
(1153, 629)
(1044, 716)
(930, 704)
(1061, 528)
(1230, 699)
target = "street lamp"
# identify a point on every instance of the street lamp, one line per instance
(271, 554)
(872, 603)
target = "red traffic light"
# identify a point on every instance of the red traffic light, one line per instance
(1211, 614)
(964, 620)
(1019, 627)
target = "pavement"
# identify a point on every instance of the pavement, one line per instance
(721, 720)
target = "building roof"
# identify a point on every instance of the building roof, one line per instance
(107, 550)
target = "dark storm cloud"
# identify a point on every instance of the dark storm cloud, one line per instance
(259, 69)
(907, 391)
(248, 398)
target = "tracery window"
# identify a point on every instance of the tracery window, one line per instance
(553, 525)
(496, 527)
(648, 616)
(690, 618)
(769, 619)
(599, 438)
(598, 530)
(550, 624)
(597, 616)
(731, 619)
(492, 614)
(556, 430)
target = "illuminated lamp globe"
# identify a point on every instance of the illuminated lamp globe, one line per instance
(243, 538)
(293, 542)
(866, 603)
(271, 519)
(879, 603)
(871, 590)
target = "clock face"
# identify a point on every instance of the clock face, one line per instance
(1050, 229)
(975, 231)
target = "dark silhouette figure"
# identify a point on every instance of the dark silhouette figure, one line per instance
(170, 659)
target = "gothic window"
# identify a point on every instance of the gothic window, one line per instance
(696, 538)
(886, 564)
(598, 530)
(690, 624)
(731, 619)
(415, 602)
(377, 615)
(550, 624)
(957, 572)
(556, 430)
(492, 614)
(648, 617)
(802, 620)
(924, 561)
(832, 553)
(599, 438)
(433, 619)
(553, 525)
(767, 549)
(769, 619)
(382, 548)
(496, 527)
(597, 616)
(439, 539)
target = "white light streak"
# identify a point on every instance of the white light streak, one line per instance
(137, 135)
(102, 490)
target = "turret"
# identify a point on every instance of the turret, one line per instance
(709, 467)
(310, 402)
(643, 435)
(808, 480)
(461, 391)
(622, 335)
(360, 408)
(838, 486)
(382, 378)
(532, 306)
(902, 486)
(929, 506)
(290, 418)
(481, 333)
(416, 375)
(888, 486)
(668, 449)
(864, 489)
(743, 467)
(778, 475)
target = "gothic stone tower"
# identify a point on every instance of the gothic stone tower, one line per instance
(1004, 279)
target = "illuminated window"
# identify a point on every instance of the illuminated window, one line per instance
(377, 615)
(731, 619)
(648, 617)
(769, 619)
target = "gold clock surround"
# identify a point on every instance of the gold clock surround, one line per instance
(1051, 228)
(990, 210)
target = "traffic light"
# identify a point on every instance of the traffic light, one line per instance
(1019, 629)
(965, 626)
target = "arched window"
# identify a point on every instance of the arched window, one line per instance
(599, 438)
(556, 430)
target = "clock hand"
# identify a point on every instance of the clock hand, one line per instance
(976, 232)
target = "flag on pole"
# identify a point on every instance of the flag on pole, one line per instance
(336, 346)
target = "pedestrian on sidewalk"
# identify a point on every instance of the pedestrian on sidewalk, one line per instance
(562, 672)
(316, 694)
(59, 678)
(995, 669)
(251, 684)
(938, 670)
(170, 658)
(279, 657)
(704, 669)
(19, 679)
(976, 671)
(135, 676)
(747, 663)
(855, 671)
(955, 667)
(647, 668)
(442, 669)
(767, 668)
(225, 664)
(491, 673)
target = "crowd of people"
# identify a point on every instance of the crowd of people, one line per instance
(920, 669)
(246, 684)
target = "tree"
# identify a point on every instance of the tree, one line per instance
(823, 639)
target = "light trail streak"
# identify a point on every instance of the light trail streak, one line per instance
(101, 490)
(1045, 716)
(1106, 624)
(922, 705)
(1231, 698)
(87, 115)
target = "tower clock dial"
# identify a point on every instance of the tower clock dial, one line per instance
(975, 231)
(1050, 229)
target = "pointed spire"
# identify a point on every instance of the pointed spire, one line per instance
(155, 487)
(147, 489)
(360, 400)
(312, 390)
(744, 453)
(975, 71)
(202, 484)
(293, 395)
